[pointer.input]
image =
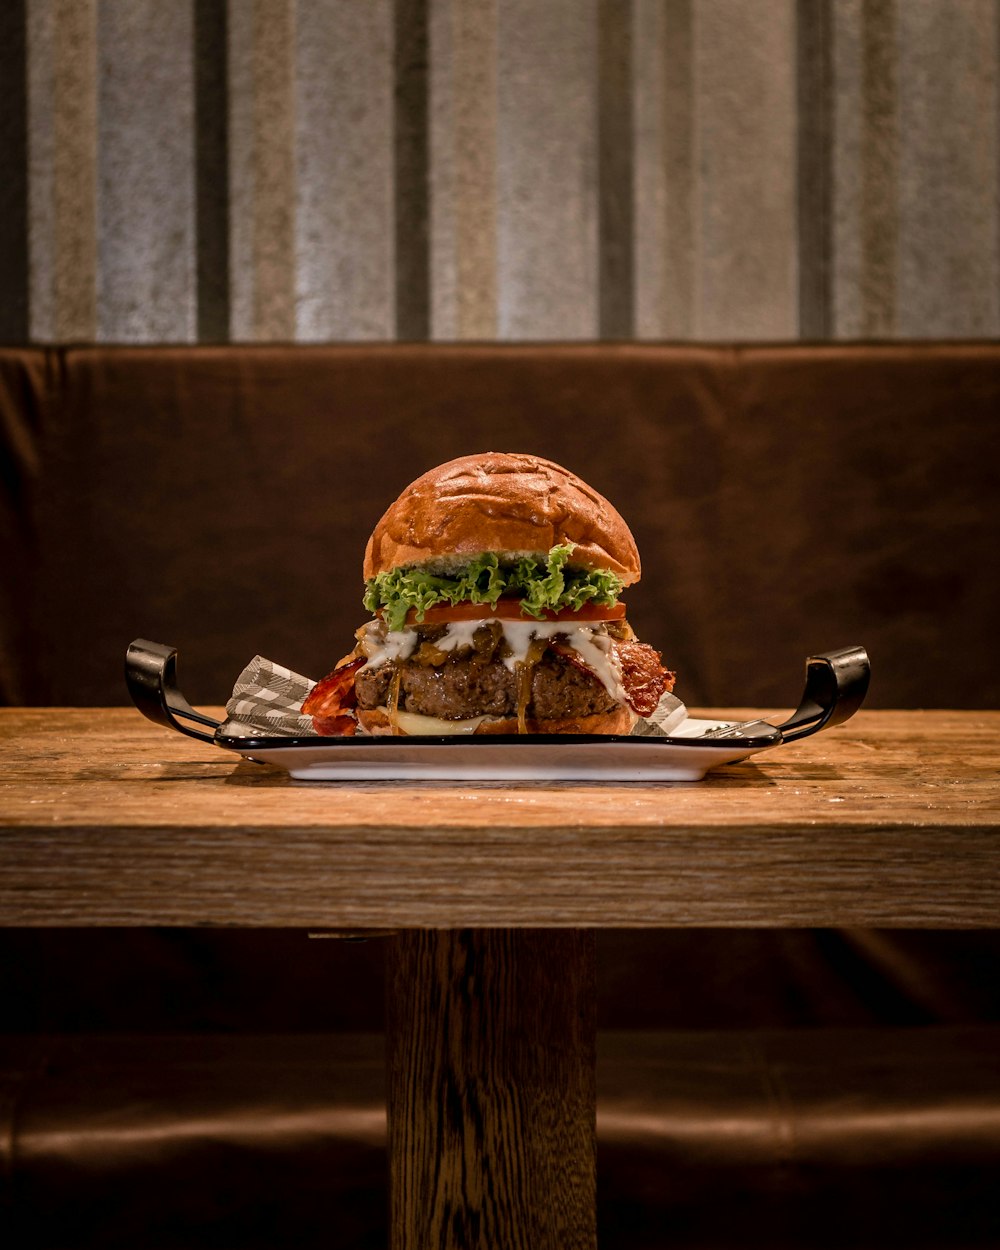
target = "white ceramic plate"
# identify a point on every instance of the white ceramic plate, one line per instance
(692, 749)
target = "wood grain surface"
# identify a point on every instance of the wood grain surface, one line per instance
(491, 1089)
(892, 819)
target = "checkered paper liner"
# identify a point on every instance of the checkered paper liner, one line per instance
(267, 702)
(668, 714)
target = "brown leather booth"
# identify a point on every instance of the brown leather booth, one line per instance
(783, 499)
(755, 1088)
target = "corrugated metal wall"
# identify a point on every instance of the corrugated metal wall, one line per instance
(516, 169)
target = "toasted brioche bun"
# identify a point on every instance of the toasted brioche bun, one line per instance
(500, 501)
(619, 721)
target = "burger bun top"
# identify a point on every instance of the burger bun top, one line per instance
(504, 502)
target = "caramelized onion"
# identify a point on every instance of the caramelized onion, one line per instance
(392, 703)
(525, 670)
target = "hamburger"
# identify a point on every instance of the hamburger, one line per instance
(494, 586)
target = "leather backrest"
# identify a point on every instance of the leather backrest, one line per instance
(785, 500)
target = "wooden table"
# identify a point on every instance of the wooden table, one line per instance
(494, 893)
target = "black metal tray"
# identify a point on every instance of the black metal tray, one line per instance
(836, 685)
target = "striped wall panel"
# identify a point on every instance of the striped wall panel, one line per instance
(325, 170)
(62, 146)
(462, 93)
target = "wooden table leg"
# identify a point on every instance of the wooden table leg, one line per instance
(491, 1091)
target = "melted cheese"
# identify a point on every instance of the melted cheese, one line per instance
(418, 724)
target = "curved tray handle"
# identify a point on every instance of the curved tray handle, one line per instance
(836, 685)
(150, 673)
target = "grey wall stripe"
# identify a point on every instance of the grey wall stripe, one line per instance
(345, 284)
(273, 60)
(679, 156)
(665, 248)
(947, 169)
(212, 169)
(242, 166)
(846, 162)
(615, 152)
(815, 167)
(463, 187)
(411, 157)
(745, 95)
(547, 169)
(650, 180)
(879, 205)
(145, 159)
(62, 161)
(75, 170)
(41, 173)
(475, 78)
(13, 172)
(261, 39)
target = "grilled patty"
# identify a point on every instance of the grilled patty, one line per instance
(465, 687)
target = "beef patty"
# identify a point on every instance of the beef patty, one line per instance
(465, 687)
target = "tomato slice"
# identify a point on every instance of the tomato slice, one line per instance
(510, 610)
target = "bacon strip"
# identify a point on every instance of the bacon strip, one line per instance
(643, 676)
(330, 701)
(572, 656)
(335, 726)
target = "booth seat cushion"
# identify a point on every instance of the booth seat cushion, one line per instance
(847, 1138)
(843, 1138)
(183, 1142)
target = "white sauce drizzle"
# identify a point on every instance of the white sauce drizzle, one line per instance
(460, 634)
(398, 644)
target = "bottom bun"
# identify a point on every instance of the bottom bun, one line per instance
(619, 721)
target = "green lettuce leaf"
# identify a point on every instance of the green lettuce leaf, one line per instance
(549, 583)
